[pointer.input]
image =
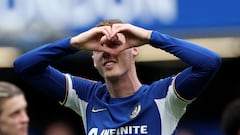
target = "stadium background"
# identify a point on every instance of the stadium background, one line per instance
(26, 24)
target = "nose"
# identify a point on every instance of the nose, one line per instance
(24, 116)
(106, 55)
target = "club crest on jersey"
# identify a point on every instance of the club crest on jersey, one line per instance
(135, 111)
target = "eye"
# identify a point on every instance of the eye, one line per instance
(18, 112)
(15, 113)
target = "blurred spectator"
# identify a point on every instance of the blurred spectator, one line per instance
(231, 118)
(184, 131)
(59, 127)
(14, 119)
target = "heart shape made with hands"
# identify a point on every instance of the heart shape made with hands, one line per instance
(115, 44)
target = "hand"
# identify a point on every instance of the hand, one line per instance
(126, 36)
(135, 36)
(90, 40)
(113, 39)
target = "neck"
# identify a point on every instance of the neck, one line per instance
(123, 86)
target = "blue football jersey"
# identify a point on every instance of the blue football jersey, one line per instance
(153, 110)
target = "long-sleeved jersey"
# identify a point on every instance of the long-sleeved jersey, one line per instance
(155, 109)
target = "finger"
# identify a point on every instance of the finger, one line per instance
(107, 31)
(116, 28)
(116, 51)
(101, 31)
(103, 40)
(114, 38)
(106, 50)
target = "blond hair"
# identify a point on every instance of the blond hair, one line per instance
(8, 90)
(109, 22)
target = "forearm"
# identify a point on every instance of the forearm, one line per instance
(192, 54)
(203, 63)
(33, 67)
(38, 59)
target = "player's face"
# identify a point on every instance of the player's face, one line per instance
(112, 67)
(14, 119)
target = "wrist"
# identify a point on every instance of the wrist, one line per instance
(74, 43)
(148, 37)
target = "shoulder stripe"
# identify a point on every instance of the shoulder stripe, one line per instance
(177, 94)
(68, 80)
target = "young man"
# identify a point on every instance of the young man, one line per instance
(13, 115)
(121, 105)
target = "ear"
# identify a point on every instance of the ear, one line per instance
(135, 51)
(94, 63)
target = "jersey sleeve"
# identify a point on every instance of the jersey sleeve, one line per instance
(80, 92)
(34, 68)
(77, 102)
(171, 109)
(203, 64)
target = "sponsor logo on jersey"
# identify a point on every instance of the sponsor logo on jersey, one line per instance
(98, 110)
(126, 130)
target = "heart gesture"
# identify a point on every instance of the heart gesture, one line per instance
(111, 39)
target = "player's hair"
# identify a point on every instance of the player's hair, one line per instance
(231, 118)
(8, 90)
(109, 22)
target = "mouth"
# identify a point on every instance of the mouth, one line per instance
(109, 64)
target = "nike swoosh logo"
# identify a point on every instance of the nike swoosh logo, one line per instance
(98, 110)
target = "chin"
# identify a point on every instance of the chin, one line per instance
(23, 132)
(111, 77)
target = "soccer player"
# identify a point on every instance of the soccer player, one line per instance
(121, 105)
(14, 119)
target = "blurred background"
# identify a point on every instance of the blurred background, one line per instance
(27, 24)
